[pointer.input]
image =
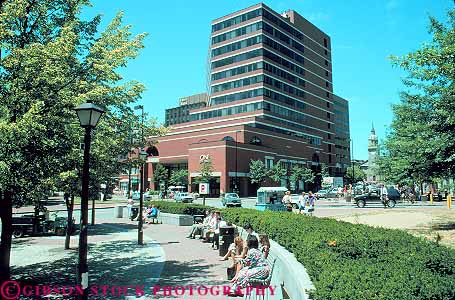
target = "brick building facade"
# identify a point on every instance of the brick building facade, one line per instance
(271, 98)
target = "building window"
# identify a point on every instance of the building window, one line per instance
(268, 162)
(328, 115)
(329, 136)
(327, 94)
(327, 84)
(328, 125)
(326, 52)
(325, 42)
(327, 73)
(228, 138)
(328, 104)
(330, 159)
(330, 148)
(326, 62)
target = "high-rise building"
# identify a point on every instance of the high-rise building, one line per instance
(181, 113)
(271, 98)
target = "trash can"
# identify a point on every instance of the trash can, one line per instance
(226, 238)
(118, 211)
(134, 212)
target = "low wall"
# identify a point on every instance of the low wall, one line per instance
(288, 273)
(174, 219)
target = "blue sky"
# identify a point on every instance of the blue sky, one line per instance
(363, 33)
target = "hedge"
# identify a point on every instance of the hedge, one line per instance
(352, 261)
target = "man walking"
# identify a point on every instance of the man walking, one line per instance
(302, 200)
(384, 197)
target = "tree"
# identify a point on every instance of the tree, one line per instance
(205, 172)
(276, 173)
(324, 171)
(179, 177)
(160, 174)
(258, 171)
(420, 144)
(359, 175)
(51, 61)
(301, 173)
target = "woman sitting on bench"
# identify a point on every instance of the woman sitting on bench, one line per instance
(235, 250)
(255, 267)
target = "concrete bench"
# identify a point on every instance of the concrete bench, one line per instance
(174, 219)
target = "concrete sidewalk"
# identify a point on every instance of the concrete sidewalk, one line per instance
(168, 258)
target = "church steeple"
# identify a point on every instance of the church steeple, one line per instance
(373, 132)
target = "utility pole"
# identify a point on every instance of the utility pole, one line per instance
(140, 232)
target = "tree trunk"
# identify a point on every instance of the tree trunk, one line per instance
(69, 207)
(6, 215)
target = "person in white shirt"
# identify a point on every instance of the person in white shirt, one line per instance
(384, 197)
(302, 200)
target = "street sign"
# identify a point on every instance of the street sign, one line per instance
(203, 188)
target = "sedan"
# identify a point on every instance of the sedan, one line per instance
(231, 199)
(322, 194)
(184, 197)
(375, 198)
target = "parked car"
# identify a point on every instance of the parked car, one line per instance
(231, 199)
(183, 197)
(374, 197)
(321, 194)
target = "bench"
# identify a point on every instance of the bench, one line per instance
(259, 289)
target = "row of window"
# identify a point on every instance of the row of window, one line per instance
(290, 114)
(237, 71)
(284, 87)
(237, 58)
(281, 61)
(278, 34)
(289, 53)
(312, 140)
(237, 96)
(227, 111)
(237, 45)
(237, 32)
(284, 99)
(282, 24)
(237, 20)
(283, 74)
(237, 83)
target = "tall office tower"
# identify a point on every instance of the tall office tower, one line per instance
(271, 98)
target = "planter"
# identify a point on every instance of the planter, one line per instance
(174, 219)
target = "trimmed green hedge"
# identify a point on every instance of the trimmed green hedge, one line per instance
(353, 261)
(180, 208)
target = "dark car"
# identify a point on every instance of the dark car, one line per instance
(374, 197)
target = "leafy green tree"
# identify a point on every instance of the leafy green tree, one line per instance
(420, 144)
(160, 174)
(276, 173)
(324, 171)
(301, 173)
(258, 171)
(51, 61)
(205, 172)
(179, 177)
(359, 175)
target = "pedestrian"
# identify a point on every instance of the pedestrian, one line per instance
(310, 204)
(302, 200)
(129, 207)
(384, 197)
(287, 200)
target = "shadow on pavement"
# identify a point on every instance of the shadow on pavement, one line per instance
(177, 273)
(112, 264)
(110, 228)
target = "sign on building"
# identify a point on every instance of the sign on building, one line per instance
(203, 188)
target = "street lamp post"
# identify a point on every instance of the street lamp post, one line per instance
(142, 156)
(89, 115)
